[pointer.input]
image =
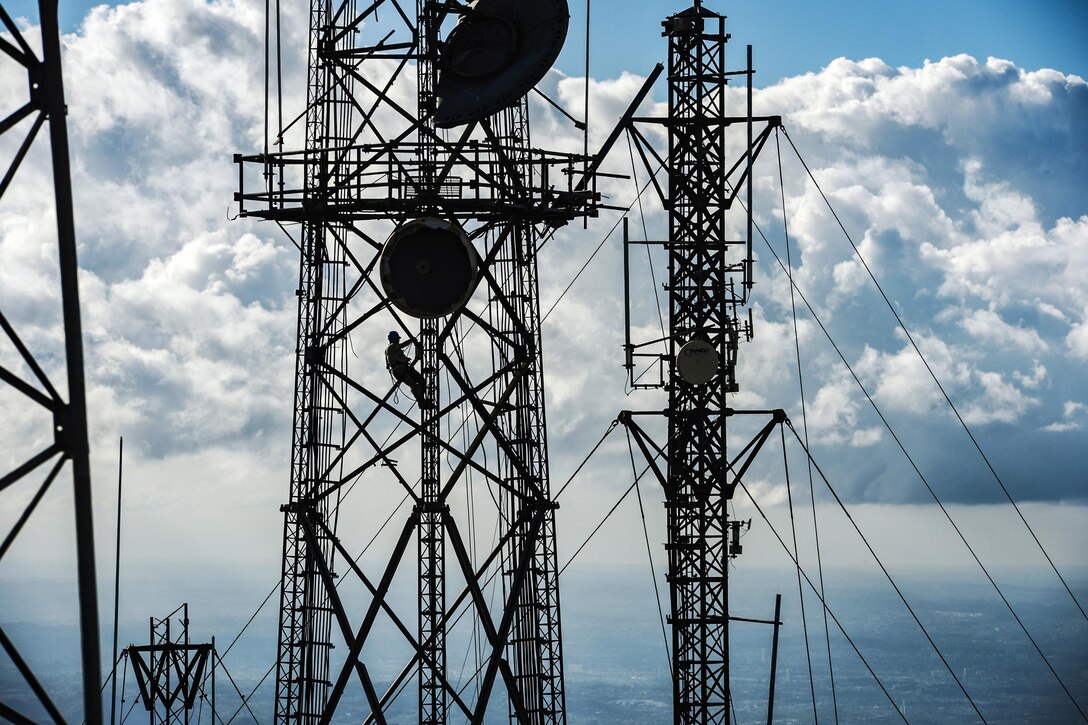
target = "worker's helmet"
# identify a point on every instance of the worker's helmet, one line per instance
(394, 335)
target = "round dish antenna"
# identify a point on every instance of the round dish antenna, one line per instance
(428, 268)
(697, 362)
(496, 53)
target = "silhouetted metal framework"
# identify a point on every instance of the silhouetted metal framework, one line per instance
(372, 162)
(709, 280)
(64, 422)
(171, 672)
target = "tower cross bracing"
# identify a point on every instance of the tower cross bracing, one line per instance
(474, 452)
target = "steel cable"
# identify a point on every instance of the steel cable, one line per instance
(606, 517)
(650, 559)
(646, 237)
(917, 350)
(598, 248)
(800, 588)
(251, 694)
(887, 574)
(823, 602)
(918, 471)
(804, 422)
(608, 431)
(870, 548)
(245, 700)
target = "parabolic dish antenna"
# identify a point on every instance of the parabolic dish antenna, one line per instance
(428, 268)
(697, 362)
(496, 53)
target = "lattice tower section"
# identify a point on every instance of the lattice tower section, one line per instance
(534, 647)
(704, 284)
(372, 165)
(432, 508)
(302, 673)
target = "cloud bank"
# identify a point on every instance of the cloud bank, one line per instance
(961, 182)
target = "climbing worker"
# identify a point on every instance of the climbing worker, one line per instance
(401, 368)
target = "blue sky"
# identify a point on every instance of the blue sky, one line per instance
(962, 179)
(791, 37)
(796, 36)
(955, 175)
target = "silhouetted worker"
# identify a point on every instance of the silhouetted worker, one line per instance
(401, 368)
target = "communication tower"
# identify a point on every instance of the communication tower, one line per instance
(174, 675)
(709, 281)
(420, 205)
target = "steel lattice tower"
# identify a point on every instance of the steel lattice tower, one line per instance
(703, 297)
(374, 168)
(709, 280)
(55, 415)
(174, 676)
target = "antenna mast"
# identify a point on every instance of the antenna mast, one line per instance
(709, 280)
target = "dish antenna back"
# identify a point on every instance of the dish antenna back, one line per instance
(428, 268)
(496, 53)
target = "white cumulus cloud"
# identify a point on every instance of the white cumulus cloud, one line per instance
(936, 172)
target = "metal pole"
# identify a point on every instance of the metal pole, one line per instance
(185, 654)
(431, 534)
(585, 111)
(629, 362)
(774, 656)
(116, 583)
(169, 668)
(748, 182)
(151, 639)
(72, 422)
